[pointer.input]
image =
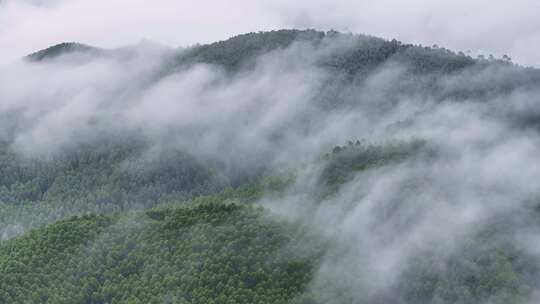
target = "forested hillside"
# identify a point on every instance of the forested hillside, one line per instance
(211, 253)
(223, 249)
(291, 166)
(101, 178)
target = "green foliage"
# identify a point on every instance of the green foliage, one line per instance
(207, 253)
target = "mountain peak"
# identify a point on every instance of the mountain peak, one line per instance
(62, 49)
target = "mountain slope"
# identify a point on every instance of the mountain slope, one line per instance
(99, 178)
(221, 249)
(227, 181)
(218, 253)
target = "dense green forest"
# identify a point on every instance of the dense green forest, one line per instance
(215, 252)
(428, 208)
(223, 248)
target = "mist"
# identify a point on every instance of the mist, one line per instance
(476, 174)
(477, 170)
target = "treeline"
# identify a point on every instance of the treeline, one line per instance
(344, 161)
(348, 57)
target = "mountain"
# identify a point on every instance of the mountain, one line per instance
(291, 166)
(348, 56)
(63, 49)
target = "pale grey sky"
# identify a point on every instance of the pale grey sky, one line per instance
(498, 27)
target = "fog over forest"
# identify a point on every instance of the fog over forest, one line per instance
(288, 166)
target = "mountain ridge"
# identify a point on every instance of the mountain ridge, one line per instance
(290, 166)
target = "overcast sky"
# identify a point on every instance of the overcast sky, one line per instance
(497, 27)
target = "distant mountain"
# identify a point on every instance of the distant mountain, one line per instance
(360, 53)
(64, 49)
(349, 55)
